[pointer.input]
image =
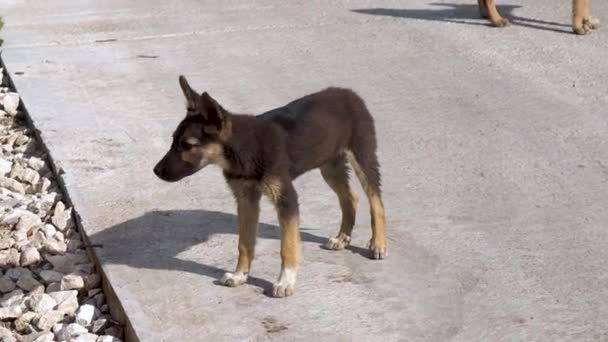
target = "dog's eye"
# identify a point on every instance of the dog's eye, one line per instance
(186, 145)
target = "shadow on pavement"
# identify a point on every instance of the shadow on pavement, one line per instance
(155, 239)
(460, 13)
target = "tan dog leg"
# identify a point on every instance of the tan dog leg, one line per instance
(248, 208)
(493, 14)
(582, 22)
(366, 169)
(335, 174)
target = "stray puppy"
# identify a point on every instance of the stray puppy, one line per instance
(262, 155)
(582, 22)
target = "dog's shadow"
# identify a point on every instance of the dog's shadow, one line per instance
(463, 14)
(154, 240)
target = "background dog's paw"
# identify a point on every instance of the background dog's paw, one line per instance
(282, 289)
(378, 250)
(338, 242)
(592, 23)
(285, 285)
(502, 22)
(582, 30)
(233, 279)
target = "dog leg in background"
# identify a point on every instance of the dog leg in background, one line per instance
(285, 199)
(487, 9)
(335, 174)
(582, 22)
(248, 210)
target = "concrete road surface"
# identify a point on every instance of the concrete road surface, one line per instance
(493, 146)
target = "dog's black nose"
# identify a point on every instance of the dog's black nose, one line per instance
(157, 170)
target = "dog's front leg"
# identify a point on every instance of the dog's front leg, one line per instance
(285, 199)
(248, 208)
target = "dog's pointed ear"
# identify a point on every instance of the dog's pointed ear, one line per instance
(189, 93)
(212, 112)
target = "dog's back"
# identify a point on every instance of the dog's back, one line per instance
(322, 125)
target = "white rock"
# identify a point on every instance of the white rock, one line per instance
(67, 301)
(66, 332)
(61, 263)
(50, 276)
(53, 287)
(44, 185)
(49, 230)
(9, 258)
(18, 169)
(49, 319)
(59, 236)
(19, 235)
(86, 313)
(48, 201)
(21, 219)
(38, 239)
(108, 338)
(100, 324)
(100, 299)
(22, 139)
(5, 166)
(6, 242)
(10, 312)
(55, 247)
(30, 176)
(26, 222)
(11, 184)
(88, 337)
(61, 216)
(22, 324)
(72, 282)
(6, 335)
(42, 336)
(36, 163)
(18, 272)
(13, 218)
(27, 282)
(14, 297)
(41, 303)
(6, 284)
(11, 103)
(29, 256)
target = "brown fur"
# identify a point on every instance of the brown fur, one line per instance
(262, 155)
(582, 22)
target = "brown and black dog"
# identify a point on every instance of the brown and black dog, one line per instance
(263, 154)
(582, 22)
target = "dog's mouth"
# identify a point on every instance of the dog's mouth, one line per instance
(174, 173)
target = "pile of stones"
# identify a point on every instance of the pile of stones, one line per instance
(49, 287)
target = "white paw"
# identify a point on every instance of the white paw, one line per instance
(338, 242)
(285, 285)
(233, 279)
(378, 250)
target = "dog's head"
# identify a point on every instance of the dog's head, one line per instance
(198, 139)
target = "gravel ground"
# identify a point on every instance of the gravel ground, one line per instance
(49, 288)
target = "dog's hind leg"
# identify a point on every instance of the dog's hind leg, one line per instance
(335, 174)
(582, 22)
(489, 6)
(248, 209)
(365, 163)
